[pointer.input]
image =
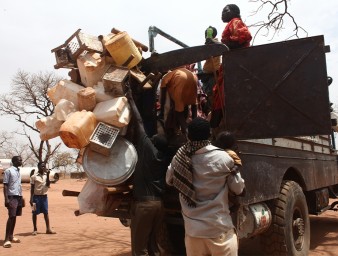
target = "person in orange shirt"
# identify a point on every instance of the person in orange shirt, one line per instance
(181, 86)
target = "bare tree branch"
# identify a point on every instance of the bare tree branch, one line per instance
(65, 161)
(26, 103)
(14, 147)
(278, 15)
(5, 138)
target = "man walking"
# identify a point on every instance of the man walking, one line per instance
(39, 187)
(13, 199)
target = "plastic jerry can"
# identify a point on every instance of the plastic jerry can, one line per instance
(86, 99)
(76, 131)
(91, 67)
(115, 112)
(49, 127)
(63, 109)
(100, 94)
(65, 89)
(123, 50)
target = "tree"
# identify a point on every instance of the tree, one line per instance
(12, 147)
(64, 161)
(277, 16)
(26, 102)
(5, 138)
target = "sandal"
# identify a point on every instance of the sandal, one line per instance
(16, 240)
(7, 244)
(50, 232)
(35, 233)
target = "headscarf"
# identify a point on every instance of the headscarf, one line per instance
(183, 170)
(198, 134)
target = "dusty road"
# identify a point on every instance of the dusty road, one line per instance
(91, 235)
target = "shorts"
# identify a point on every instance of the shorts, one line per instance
(14, 206)
(41, 204)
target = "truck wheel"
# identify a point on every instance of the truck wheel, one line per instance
(289, 233)
(171, 239)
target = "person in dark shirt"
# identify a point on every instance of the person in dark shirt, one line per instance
(148, 187)
(13, 199)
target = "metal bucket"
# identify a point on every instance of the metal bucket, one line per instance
(113, 169)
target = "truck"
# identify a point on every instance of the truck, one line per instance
(277, 104)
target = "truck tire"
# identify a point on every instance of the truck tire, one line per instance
(289, 233)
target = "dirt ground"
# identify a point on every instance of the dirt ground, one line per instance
(89, 234)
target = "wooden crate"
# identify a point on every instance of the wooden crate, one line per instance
(114, 80)
(67, 53)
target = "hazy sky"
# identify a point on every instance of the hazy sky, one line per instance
(29, 29)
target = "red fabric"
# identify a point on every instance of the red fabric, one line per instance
(236, 31)
(218, 91)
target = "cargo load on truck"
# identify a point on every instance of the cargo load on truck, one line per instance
(91, 113)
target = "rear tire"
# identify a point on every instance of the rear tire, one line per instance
(289, 233)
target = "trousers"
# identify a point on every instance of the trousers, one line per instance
(224, 245)
(146, 219)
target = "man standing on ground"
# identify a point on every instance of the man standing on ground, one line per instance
(148, 187)
(201, 174)
(13, 199)
(39, 187)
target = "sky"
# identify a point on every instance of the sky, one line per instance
(30, 29)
